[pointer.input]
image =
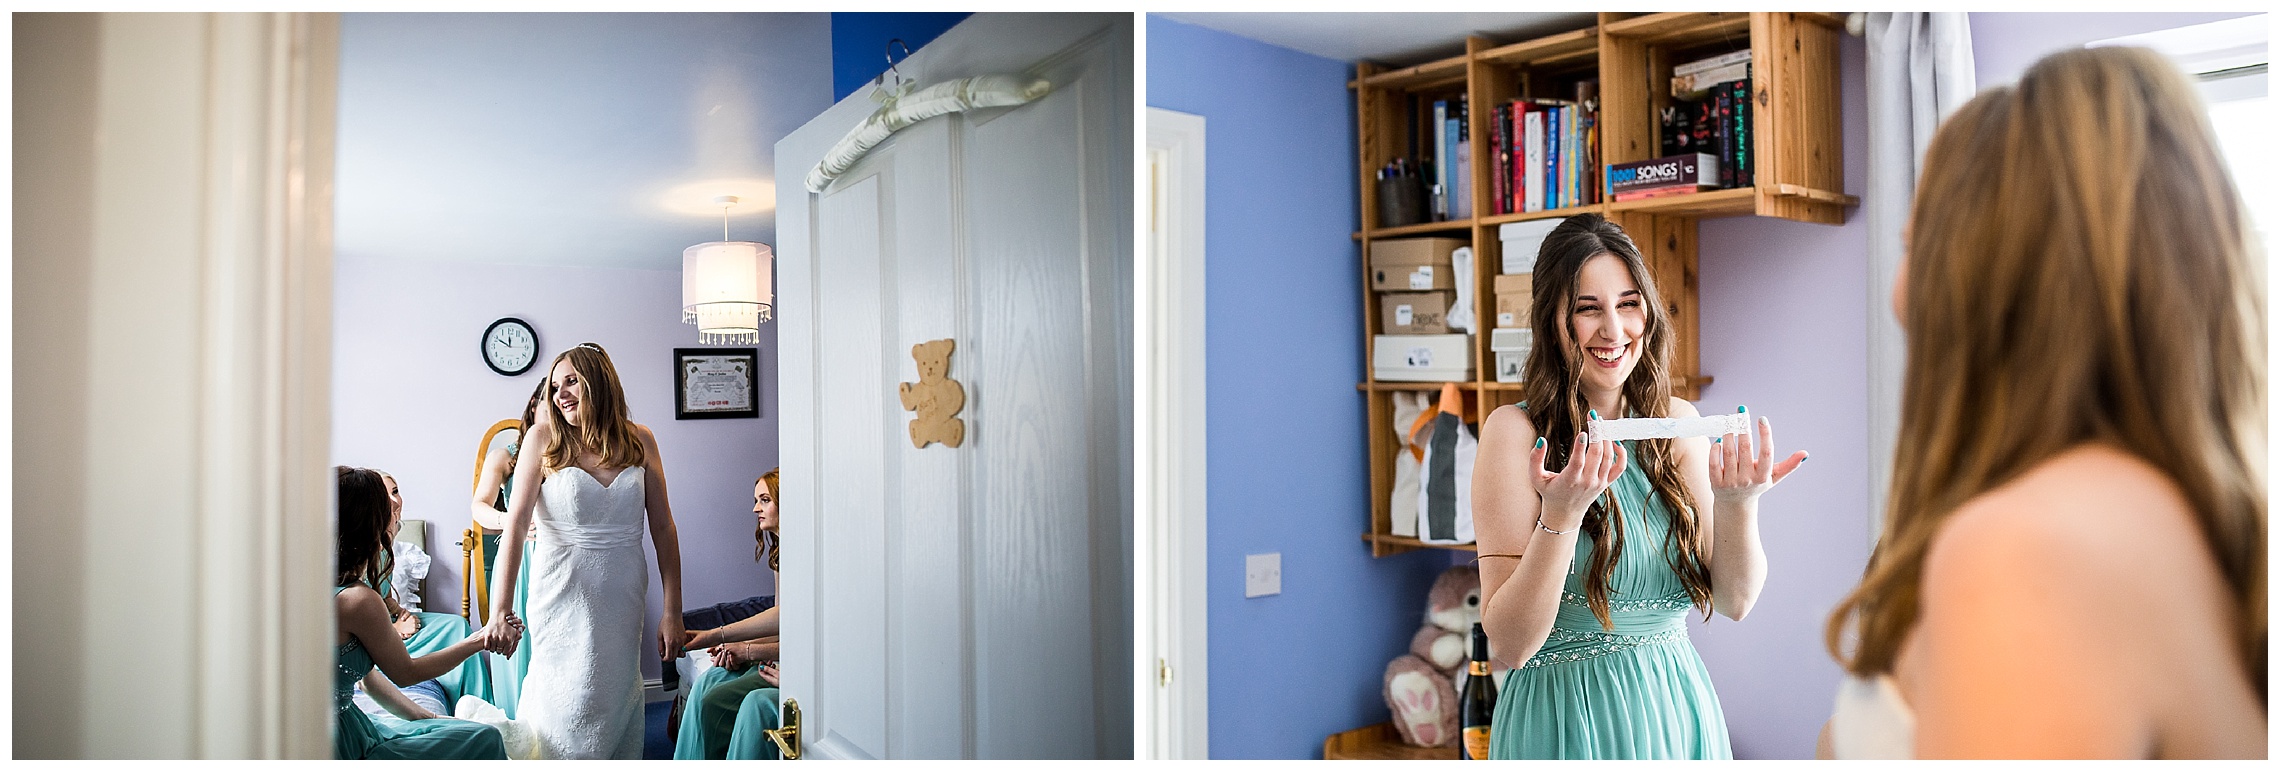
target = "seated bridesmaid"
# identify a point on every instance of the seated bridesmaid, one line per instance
(732, 705)
(427, 633)
(368, 639)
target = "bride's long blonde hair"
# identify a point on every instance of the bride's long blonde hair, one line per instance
(606, 431)
(2079, 271)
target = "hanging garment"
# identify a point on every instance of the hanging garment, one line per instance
(1444, 495)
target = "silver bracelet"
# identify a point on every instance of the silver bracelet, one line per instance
(1540, 526)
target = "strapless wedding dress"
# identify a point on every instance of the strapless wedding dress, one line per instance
(1872, 721)
(589, 593)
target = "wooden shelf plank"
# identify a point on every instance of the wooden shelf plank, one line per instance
(1380, 742)
(1421, 229)
(1414, 385)
(1810, 194)
(1676, 382)
(1547, 214)
(1565, 48)
(1682, 30)
(1428, 75)
(1404, 541)
(1717, 203)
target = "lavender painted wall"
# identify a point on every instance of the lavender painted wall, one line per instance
(411, 396)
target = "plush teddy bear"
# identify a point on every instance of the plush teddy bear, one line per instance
(1421, 686)
(935, 397)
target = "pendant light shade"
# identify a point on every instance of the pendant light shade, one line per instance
(726, 291)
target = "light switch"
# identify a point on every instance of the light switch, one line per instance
(1262, 575)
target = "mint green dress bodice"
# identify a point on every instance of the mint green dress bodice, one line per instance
(1638, 691)
(358, 736)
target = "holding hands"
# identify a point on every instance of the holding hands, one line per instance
(1591, 467)
(735, 655)
(694, 639)
(1742, 467)
(503, 633)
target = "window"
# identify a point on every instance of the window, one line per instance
(2229, 61)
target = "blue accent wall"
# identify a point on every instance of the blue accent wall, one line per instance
(1289, 468)
(859, 44)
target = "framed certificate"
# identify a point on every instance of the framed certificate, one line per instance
(716, 383)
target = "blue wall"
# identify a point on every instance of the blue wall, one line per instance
(1288, 448)
(859, 44)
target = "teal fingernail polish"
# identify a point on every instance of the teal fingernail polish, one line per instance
(1808, 457)
(1742, 409)
(1595, 415)
(1716, 440)
(1539, 442)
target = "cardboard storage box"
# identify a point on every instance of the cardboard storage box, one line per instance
(1413, 264)
(1514, 293)
(1522, 240)
(1414, 313)
(1511, 347)
(1422, 357)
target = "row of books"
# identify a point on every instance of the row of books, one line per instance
(1717, 122)
(1451, 170)
(1547, 152)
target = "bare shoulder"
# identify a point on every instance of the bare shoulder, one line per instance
(1680, 408)
(650, 456)
(359, 600)
(2090, 517)
(1510, 422)
(537, 437)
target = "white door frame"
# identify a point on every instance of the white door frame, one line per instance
(1170, 493)
(173, 270)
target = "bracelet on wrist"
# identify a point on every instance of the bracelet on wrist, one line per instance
(1547, 529)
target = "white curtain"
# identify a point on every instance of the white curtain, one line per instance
(1919, 71)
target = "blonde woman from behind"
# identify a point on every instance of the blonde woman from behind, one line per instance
(2073, 559)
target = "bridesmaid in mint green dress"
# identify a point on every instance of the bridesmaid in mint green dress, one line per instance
(1588, 574)
(435, 631)
(731, 707)
(368, 640)
(488, 510)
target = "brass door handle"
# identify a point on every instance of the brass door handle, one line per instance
(787, 739)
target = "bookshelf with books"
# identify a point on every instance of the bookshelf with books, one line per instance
(1599, 96)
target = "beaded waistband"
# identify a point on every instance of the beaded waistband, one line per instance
(1677, 601)
(1596, 644)
(1572, 645)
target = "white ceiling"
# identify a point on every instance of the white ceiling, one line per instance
(592, 139)
(1386, 38)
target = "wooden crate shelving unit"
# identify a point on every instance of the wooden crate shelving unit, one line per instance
(1798, 146)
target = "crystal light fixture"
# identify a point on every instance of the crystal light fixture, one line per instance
(725, 287)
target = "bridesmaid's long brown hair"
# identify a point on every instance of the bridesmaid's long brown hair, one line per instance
(2078, 271)
(1553, 389)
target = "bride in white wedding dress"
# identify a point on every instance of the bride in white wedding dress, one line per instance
(598, 481)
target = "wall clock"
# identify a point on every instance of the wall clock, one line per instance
(510, 346)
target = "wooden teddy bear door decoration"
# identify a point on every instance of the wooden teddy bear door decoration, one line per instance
(935, 397)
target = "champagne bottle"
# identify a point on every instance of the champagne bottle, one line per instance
(1476, 707)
